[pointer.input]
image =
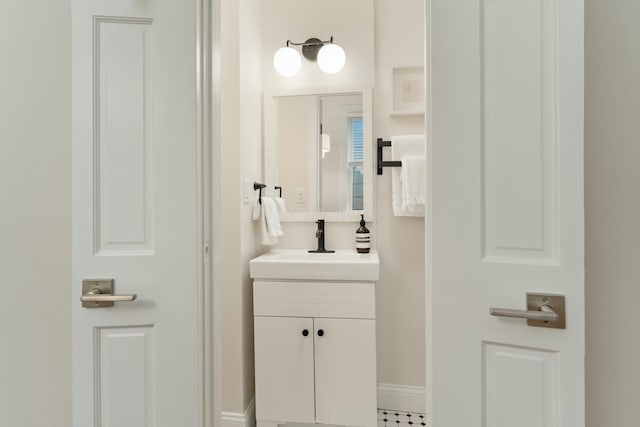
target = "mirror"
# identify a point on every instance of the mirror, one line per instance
(317, 150)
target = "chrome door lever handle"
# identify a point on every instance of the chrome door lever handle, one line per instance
(99, 293)
(544, 310)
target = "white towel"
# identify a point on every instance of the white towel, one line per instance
(271, 217)
(256, 210)
(282, 208)
(267, 239)
(406, 146)
(413, 184)
(269, 225)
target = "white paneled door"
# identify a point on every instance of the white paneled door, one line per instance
(506, 211)
(136, 214)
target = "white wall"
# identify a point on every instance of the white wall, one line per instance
(399, 41)
(612, 150)
(35, 214)
(240, 158)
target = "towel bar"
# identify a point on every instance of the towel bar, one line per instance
(381, 163)
(259, 186)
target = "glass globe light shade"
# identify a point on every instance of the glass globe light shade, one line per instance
(331, 58)
(287, 61)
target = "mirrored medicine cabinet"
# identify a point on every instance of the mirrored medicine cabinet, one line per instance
(317, 147)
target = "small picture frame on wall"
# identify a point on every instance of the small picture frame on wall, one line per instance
(408, 91)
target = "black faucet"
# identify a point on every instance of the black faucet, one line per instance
(320, 236)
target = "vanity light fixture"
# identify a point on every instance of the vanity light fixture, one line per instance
(329, 56)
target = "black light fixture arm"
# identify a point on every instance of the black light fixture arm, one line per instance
(311, 42)
(311, 47)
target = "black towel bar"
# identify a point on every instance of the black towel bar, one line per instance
(258, 186)
(382, 163)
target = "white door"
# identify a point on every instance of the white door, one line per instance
(506, 214)
(135, 214)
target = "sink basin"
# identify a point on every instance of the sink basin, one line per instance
(302, 265)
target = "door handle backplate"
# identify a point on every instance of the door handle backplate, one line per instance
(543, 310)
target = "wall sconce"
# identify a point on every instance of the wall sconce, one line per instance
(329, 56)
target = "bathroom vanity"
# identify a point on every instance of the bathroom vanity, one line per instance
(315, 337)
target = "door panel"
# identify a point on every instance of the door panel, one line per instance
(519, 123)
(506, 211)
(124, 376)
(345, 371)
(284, 369)
(135, 211)
(520, 386)
(123, 162)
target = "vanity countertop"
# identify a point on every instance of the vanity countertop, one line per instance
(299, 264)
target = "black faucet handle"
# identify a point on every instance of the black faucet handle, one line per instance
(320, 237)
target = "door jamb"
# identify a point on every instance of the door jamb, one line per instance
(430, 392)
(208, 190)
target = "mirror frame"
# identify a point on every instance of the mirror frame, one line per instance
(269, 156)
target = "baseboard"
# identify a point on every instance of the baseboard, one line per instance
(404, 398)
(396, 397)
(237, 419)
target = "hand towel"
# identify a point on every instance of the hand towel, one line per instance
(282, 208)
(272, 219)
(401, 146)
(414, 193)
(256, 210)
(267, 239)
(258, 213)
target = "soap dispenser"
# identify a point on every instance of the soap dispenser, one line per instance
(363, 238)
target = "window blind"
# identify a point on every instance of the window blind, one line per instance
(356, 150)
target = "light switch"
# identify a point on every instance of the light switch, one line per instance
(301, 196)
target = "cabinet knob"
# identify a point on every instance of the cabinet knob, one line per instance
(305, 332)
(320, 332)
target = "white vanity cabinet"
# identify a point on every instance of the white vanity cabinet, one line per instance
(315, 352)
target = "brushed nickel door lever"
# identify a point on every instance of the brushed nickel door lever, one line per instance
(99, 293)
(543, 310)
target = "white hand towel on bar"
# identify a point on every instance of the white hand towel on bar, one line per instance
(272, 219)
(282, 208)
(259, 213)
(414, 193)
(402, 146)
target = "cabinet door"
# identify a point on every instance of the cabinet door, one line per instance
(284, 369)
(345, 351)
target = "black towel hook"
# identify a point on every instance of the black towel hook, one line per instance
(277, 187)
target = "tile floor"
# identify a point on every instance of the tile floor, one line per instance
(391, 418)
